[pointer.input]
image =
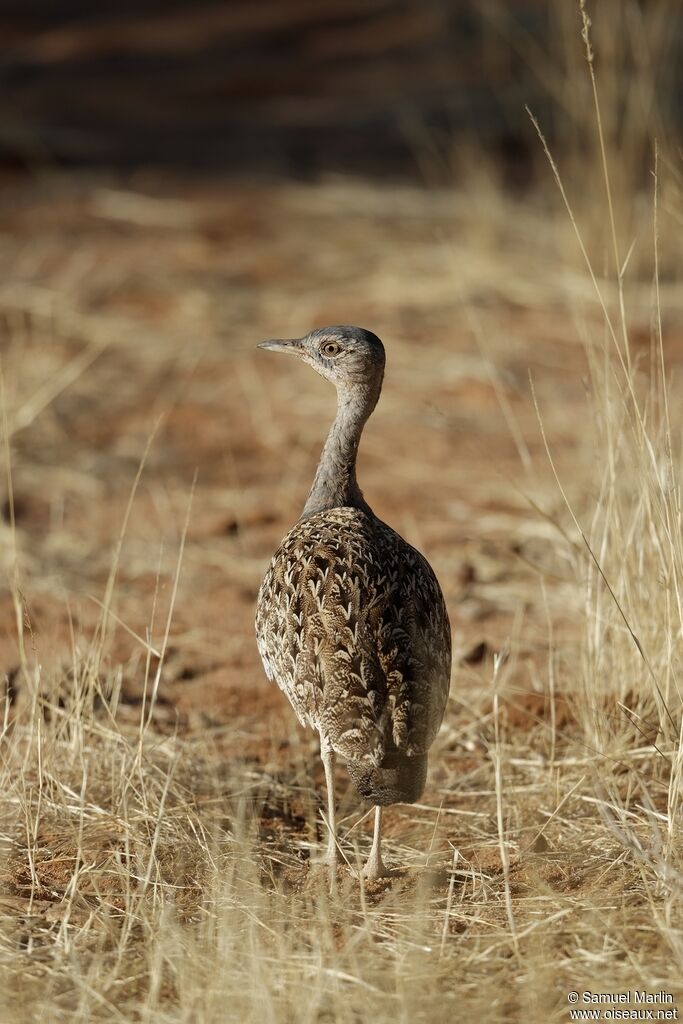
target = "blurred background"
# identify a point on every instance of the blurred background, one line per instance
(391, 88)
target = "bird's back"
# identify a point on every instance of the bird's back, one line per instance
(352, 625)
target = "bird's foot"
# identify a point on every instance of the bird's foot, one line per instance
(375, 868)
(331, 859)
(328, 859)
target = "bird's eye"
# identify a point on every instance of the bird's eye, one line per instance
(330, 348)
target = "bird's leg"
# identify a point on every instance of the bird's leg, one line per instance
(375, 866)
(327, 754)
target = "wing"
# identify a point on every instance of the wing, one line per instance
(414, 639)
(352, 625)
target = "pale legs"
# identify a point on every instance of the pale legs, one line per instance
(327, 754)
(375, 866)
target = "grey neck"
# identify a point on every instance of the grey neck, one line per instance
(335, 483)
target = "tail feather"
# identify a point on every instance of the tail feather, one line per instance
(399, 779)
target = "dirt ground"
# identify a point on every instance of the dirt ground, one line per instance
(129, 315)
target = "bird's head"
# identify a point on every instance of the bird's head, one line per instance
(349, 357)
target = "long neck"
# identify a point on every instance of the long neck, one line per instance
(335, 482)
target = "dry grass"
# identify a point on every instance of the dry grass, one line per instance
(159, 806)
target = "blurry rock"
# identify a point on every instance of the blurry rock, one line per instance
(475, 655)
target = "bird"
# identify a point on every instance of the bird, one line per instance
(351, 622)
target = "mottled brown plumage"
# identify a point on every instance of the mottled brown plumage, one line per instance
(350, 619)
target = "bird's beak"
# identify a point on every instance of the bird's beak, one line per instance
(291, 345)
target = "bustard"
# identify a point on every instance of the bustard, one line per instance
(350, 619)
